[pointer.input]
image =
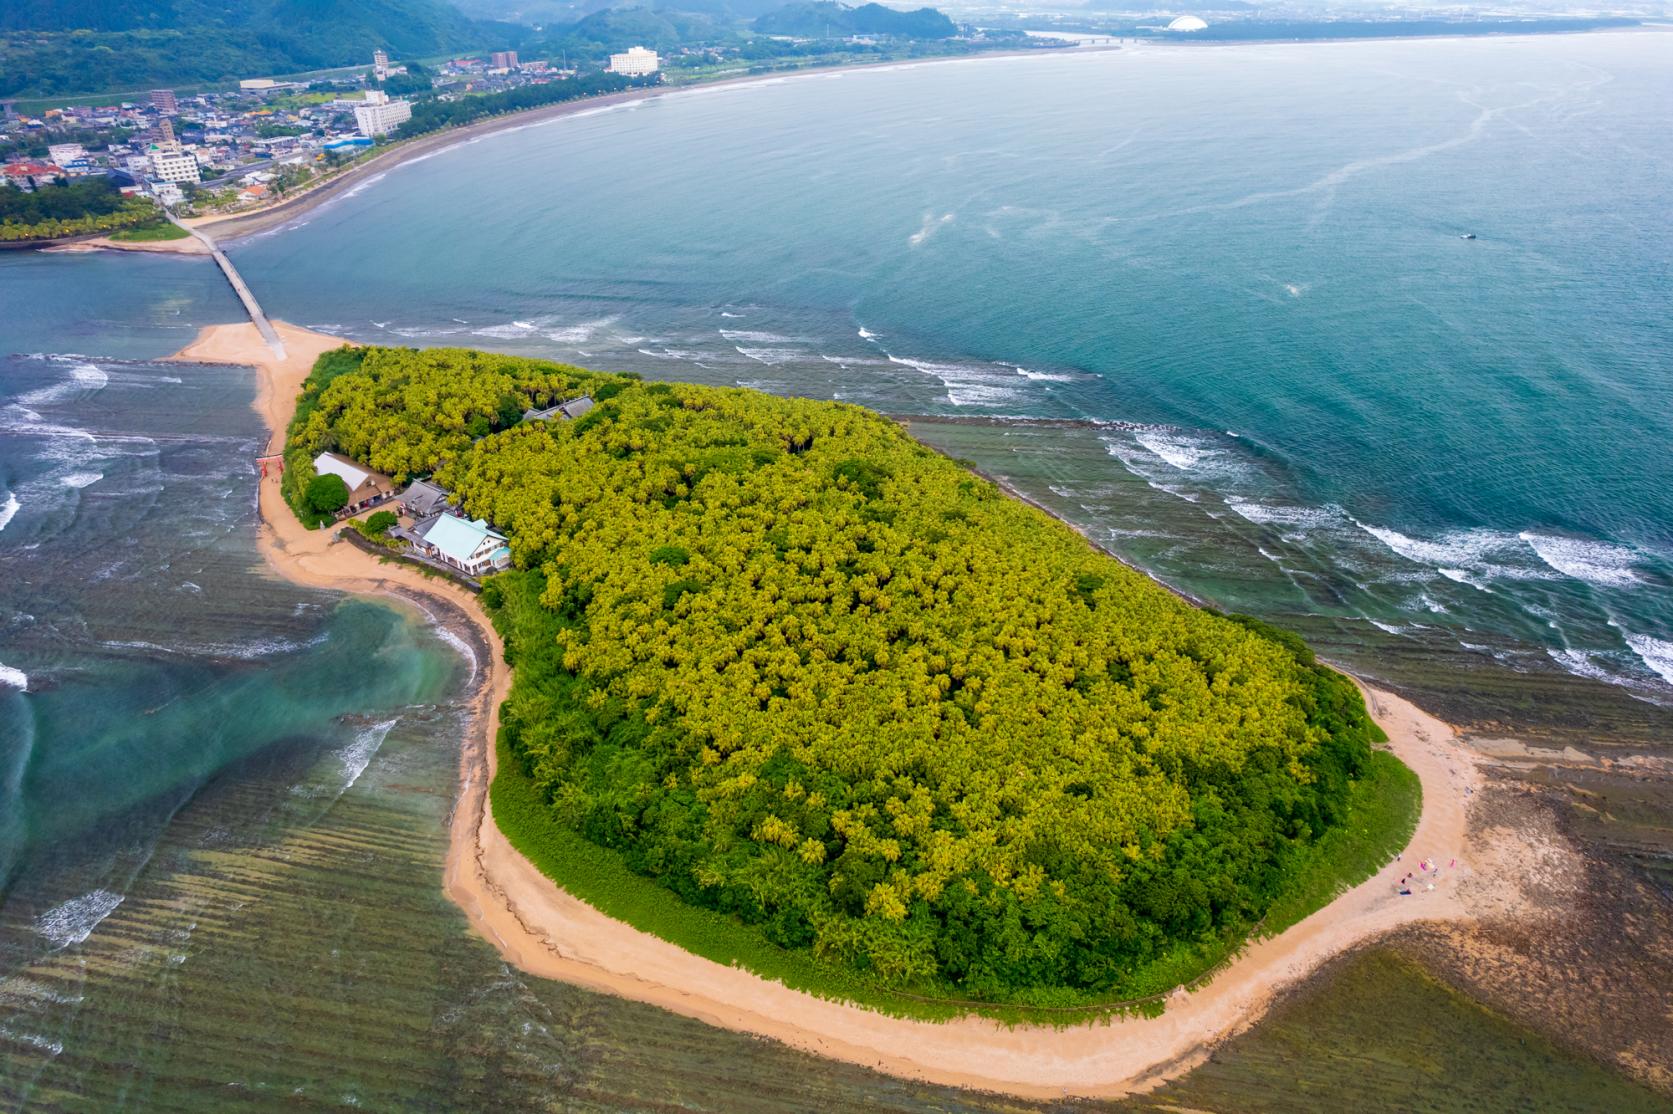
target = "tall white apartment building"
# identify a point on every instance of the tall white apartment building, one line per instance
(637, 62)
(171, 162)
(378, 115)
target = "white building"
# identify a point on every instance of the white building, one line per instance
(65, 153)
(637, 62)
(378, 115)
(171, 162)
(469, 546)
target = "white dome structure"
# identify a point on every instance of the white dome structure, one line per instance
(1188, 23)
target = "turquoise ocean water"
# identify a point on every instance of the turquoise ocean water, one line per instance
(1212, 305)
(1241, 269)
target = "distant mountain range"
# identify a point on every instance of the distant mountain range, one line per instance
(65, 46)
(50, 47)
(827, 19)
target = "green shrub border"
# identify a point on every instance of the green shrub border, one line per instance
(1382, 814)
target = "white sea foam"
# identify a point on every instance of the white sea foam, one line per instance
(1582, 664)
(1265, 514)
(965, 384)
(8, 510)
(84, 379)
(359, 754)
(81, 479)
(12, 677)
(1653, 652)
(422, 331)
(505, 332)
(578, 333)
(460, 645)
(1045, 376)
(723, 313)
(1599, 563)
(772, 357)
(34, 1040)
(366, 185)
(75, 920)
(867, 334)
(932, 224)
(1453, 550)
(1463, 577)
(855, 361)
(245, 651)
(756, 336)
(1177, 450)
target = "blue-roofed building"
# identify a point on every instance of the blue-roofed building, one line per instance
(471, 547)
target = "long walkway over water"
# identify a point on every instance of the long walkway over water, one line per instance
(239, 287)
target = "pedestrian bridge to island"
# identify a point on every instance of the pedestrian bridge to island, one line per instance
(239, 287)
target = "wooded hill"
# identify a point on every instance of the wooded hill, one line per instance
(800, 669)
(49, 47)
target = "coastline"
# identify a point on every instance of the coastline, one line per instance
(549, 933)
(232, 226)
(188, 245)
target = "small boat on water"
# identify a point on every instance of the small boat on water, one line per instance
(1467, 236)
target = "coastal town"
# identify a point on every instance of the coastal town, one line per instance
(241, 148)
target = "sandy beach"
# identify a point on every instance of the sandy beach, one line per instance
(546, 932)
(185, 246)
(230, 226)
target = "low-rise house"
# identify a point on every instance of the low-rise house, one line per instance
(366, 487)
(28, 175)
(568, 411)
(469, 546)
(422, 499)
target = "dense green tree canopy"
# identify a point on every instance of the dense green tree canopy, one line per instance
(86, 205)
(53, 46)
(800, 668)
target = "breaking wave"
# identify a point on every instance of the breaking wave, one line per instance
(1600, 563)
(1653, 652)
(359, 754)
(75, 920)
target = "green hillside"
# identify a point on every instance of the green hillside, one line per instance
(92, 45)
(827, 19)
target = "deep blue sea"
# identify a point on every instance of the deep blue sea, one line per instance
(1242, 267)
(1214, 305)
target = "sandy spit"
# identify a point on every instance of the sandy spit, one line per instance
(186, 246)
(547, 932)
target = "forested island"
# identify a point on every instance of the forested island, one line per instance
(793, 689)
